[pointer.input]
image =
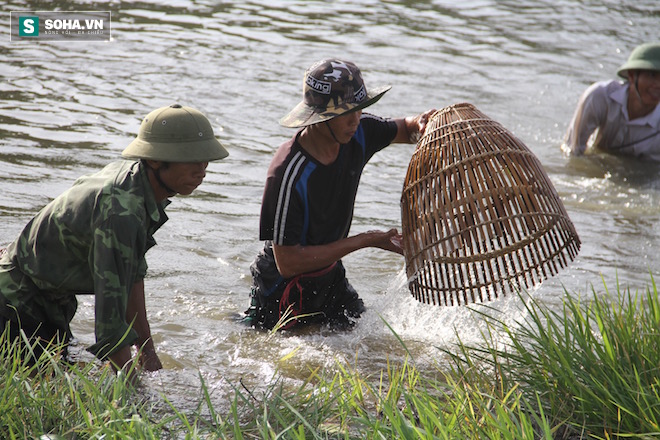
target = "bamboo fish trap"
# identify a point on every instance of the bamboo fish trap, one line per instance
(480, 217)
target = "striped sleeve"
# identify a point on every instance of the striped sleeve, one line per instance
(284, 198)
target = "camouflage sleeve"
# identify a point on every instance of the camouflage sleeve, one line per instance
(142, 269)
(117, 260)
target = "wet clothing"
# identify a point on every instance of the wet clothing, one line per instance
(308, 203)
(92, 239)
(325, 295)
(603, 109)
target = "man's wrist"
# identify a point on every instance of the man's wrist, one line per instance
(412, 128)
(146, 346)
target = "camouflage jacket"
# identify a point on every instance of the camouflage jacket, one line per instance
(91, 239)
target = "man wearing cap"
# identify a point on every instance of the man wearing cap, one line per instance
(92, 239)
(624, 116)
(308, 199)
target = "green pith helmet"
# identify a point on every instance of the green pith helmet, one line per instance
(175, 134)
(331, 88)
(643, 57)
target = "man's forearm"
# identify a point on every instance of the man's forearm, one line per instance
(136, 313)
(296, 260)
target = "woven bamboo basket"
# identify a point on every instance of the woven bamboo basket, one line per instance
(480, 217)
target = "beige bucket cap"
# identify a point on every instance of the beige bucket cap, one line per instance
(176, 134)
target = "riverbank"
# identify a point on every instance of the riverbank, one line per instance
(590, 371)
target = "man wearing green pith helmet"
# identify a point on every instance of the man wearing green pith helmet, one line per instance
(92, 239)
(621, 118)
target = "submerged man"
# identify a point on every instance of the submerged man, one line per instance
(625, 116)
(309, 196)
(92, 239)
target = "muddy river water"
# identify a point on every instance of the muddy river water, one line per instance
(66, 109)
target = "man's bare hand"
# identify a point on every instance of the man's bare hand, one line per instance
(149, 361)
(387, 240)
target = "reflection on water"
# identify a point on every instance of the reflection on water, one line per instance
(68, 109)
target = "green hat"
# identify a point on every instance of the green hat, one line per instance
(175, 134)
(643, 57)
(331, 88)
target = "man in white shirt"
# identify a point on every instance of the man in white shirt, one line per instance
(621, 118)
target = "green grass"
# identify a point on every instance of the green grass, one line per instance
(595, 365)
(588, 371)
(55, 398)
